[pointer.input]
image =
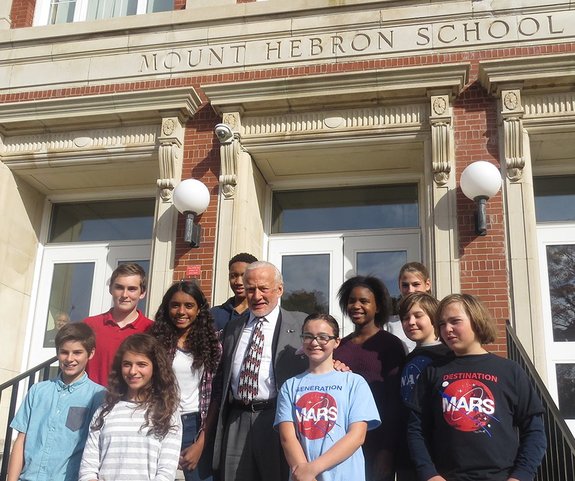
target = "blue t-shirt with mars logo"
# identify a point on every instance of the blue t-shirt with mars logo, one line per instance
(322, 407)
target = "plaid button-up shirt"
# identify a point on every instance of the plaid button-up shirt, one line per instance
(207, 390)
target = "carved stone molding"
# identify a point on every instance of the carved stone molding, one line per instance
(549, 105)
(441, 122)
(230, 154)
(75, 141)
(301, 123)
(169, 155)
(512, 116)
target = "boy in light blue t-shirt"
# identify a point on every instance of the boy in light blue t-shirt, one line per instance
(54, 418)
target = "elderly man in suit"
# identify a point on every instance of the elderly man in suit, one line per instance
(259, 355)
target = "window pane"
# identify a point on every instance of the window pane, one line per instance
(383, 265)
(160, 6)
(102, 221)
(70, 295)
(554, 198)
(306, 283)
(62, 11)
(561, 271)
(354, 208)
(566, 389)
(101, 9)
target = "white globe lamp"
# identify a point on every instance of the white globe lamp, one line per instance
(480, 181)
(191, 197)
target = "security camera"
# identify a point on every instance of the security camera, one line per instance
(224, 133)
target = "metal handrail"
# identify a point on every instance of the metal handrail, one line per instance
(34, 375)
(559, 460)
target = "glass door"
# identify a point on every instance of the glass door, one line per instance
(557, 258)
(315, 266)
(311, 268)
(381, 256)
(73, 284)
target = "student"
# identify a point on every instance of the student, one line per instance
(323, 414)
(413, 277)
(54, 418)
(236, 305)
(417, 312)
(378, 356)
(185, 328)
(137, 432)
(127, 287)
(475, 416)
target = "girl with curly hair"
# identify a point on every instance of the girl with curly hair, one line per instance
(136, 433)
(185, 328)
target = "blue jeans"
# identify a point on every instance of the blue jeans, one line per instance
(203, 472)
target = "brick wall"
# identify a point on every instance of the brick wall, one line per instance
(202, 162)
(483, 263)
(22, 13)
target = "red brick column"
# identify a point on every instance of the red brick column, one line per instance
(202, 162)
(22, 13)
(483, 262)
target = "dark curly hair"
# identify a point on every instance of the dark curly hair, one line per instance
(201, 339)
(380, 292)
(161, 396)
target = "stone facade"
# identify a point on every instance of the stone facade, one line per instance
(127, 106)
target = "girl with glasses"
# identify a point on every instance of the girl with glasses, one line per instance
(323, 415)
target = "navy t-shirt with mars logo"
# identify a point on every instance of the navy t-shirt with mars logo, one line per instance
(472, 404)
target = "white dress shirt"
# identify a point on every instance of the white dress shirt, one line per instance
(266, 379)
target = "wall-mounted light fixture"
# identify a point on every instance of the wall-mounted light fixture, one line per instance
(191, 197)
(480, 181)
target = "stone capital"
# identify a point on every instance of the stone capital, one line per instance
(230, 154)
(170, 141)
(512, 113)
(441, 123)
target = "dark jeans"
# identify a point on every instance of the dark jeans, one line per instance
(203, 472)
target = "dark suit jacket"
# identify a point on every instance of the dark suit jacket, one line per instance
(287, 364)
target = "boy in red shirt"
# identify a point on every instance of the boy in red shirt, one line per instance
(127, 287)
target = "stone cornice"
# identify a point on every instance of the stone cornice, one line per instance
(542, 71)
(144, 106)
(269, 35)
(305, 93)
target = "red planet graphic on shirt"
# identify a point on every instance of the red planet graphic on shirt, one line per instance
(468, 405)
(316, 414)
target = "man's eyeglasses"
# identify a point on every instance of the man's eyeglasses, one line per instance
(322, 339)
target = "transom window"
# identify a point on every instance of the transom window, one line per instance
(51, 12)
(342, 209)
(555, 198)
(102, 221)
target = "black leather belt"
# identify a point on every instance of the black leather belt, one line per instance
(255, 406)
